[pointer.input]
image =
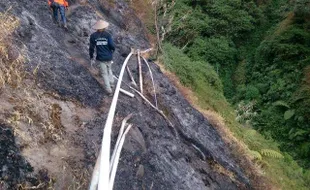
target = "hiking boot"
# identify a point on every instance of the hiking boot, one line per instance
(110, 92)
(65, 26)
(55, 21)
(112, 84)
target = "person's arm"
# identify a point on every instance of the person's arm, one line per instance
(111, 43)
(66, 4)
(49, 2)
(92, 45)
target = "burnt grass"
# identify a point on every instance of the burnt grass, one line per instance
(15, 171)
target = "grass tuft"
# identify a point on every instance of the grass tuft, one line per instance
(11, 60)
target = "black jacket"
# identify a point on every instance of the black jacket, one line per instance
(104, 46)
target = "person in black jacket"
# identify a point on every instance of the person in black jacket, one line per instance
(103, 43)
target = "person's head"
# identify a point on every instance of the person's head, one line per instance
(101, 25)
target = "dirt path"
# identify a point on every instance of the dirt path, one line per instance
(73, 47)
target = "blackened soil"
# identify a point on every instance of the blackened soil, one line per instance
(15, 171)
(13, 167)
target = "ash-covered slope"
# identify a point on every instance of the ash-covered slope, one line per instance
(153, 157)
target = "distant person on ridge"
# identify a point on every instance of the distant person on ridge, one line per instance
(103, 43)
(59, 6)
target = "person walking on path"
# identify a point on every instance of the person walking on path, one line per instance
(102, 41)
(59, 6)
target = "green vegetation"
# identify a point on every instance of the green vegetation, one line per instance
(259, 51)
(200, 76)
(279, 167)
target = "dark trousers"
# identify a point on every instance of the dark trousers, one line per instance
(61, 10)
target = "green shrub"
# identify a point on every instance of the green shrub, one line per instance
(302, 10)
(214, 50)
(251, 93)
(195, 74)
(261, 52)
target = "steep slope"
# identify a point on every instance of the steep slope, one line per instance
(69, 108)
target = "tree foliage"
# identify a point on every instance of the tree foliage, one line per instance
(261, 51)
(280, 62)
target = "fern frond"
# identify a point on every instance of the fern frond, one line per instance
(271, 153)
(289, 114)
(256, 155)
(281, 104)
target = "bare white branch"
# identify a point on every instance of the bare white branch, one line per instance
(130, 76)
(151, 73)
(127, 93)
(140, 72)
(106, 139)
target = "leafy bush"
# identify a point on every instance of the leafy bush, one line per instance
(214, 50)
(280, 62)
(302, 10)
(264, 46)
(195, 74)
(251, 93)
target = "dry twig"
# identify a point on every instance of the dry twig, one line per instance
(151, 73)
(130, 76)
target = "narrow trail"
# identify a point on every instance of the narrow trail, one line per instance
(71, 43)
(81, 59)
(72, 47)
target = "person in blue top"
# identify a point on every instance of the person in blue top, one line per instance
(102, 42)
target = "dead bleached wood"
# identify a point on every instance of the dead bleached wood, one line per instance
(203, 156)
(147, 101)
(158, 110)
(140, 73)
(106, 139)
(130, 76)
(40, 186)
(95, 176)
(146, 51)
(95, 179)
(117, 155)
(151, 73)
(121, 131)
(135, 52)
(127, 93)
